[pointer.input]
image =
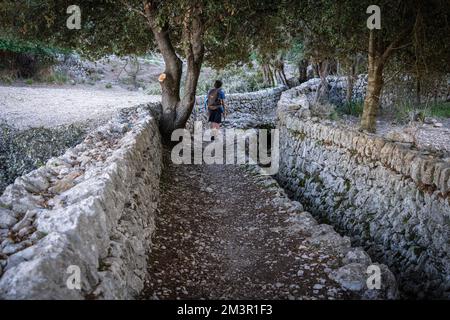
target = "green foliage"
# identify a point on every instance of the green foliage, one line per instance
(414, 36)
(236, 30)
(154, 89)
(334, 116)
(55, 78)
(297, 51)
(406, 111)
(107, 26)
(24, 59)
(232, 28)
(440, 110)
(243, 29)
(6, 79)
(235, 79)
(28, 47)
(113, 27)
(354, 108)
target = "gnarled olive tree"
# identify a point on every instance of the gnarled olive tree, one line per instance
(190, 31)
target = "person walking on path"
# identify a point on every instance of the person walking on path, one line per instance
(215, 103)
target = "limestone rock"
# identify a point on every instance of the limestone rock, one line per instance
(7, 218)
(357, 255)
(351, 276)
(400, 136)
(26, 221)
(62, 185)
(86, 209)
(324, 235)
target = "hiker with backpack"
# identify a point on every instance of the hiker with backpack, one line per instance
(215, 103)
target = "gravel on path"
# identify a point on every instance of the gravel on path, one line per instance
(219, 236)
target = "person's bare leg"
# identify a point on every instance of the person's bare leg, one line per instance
(213, 130)
(216, 130)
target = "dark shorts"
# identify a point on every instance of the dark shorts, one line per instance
(215, 116)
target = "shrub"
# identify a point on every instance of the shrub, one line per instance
(24, 59)
(334, 115)
(439, 110)
(155, 89)
(406, 111)
(7, 79)
(57, 77)
(236, 79)
(354, 108)
(27, 47)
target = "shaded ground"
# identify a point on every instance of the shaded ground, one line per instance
(219, 236)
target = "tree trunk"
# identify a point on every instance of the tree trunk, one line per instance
(378, 55)
(322, 90)
(170, 88)
(170, 84)
(279, 72)
(333, 67)
(194, 51)
(176, 112)
(372, 100)
(374, 86)
(316, 70)
(267, 74)
(303, 70)
(350, 85)
(418, 91)
(351, 78)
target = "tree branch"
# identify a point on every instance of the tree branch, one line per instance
(395, 45)
(131, 8)
(162, 38)
(193, 31)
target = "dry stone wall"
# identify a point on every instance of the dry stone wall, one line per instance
(92, 208)
(389, 197)
(400, 91)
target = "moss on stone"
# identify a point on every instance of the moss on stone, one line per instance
(347, 184)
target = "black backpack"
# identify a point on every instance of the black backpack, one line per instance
(213, 99)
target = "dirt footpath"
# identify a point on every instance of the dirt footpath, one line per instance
(220, 236)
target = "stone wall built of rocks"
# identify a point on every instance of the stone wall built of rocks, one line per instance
(92, 208)
(387, 196)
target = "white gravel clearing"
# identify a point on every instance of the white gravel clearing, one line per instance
(26, 107)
